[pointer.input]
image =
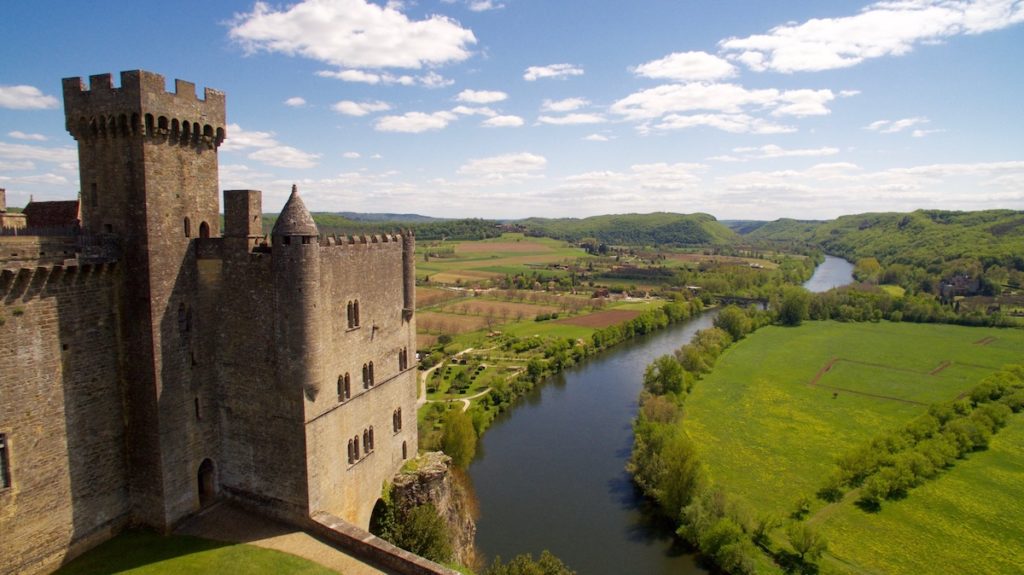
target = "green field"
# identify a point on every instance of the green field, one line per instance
(145, 553)
(782, 404)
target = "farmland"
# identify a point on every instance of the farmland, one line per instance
(781, 405)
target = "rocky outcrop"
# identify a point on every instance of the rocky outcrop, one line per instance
(431, 479)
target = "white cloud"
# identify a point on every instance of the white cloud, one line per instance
(733, 123)
(481, 96)
(352, 34)
(351, 155)
(566, 105)
(239, 139)
(502, 122)
(285, 157)
(18, 135)
(892, 127)
(471, 111)
(17, 166)
(923, 133)
(505, 167)
(552, 71)
(687, 67)
(268, 150)
(20, 152)
(359, 109)
(415, 122)
(596, 138)
(889, 28)
(434, 80)
(25, 98)
(484, 5)
(727, 98)
(772, 151)
(572, 119)
(295, 102)
(429, 80)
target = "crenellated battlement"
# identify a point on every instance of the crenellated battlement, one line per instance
(336, 240)
(18, 282)
(142, 106)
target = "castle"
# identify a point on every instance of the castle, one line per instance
(151, 362)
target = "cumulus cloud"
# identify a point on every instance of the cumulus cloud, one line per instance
(687, 67)
(534, 73)
(502, 122)
(572, 119)
(505, 167)
(889, 28)
(484, 5)
(474, 111)
(268, 150)
(894, 126)
(295, 102)
(429, 80)
(481, 96)
(285, 157)
(772, 151)
(596, 138)
(733, 123)
(25, 98)
(26, 152)
(415, 122)
(352, 34)
(18, 135)
(359, 109)
(726, 98)
(351, 155)
(565, 105)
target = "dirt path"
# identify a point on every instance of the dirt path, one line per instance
(225, 522)
(985, 341)
(816, 381)
(938, 369)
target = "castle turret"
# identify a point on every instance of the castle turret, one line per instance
(148, 167)
(408, 274)
(296, 270)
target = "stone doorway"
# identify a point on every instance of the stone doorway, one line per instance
(207, 482)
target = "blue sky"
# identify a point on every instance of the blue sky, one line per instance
(517, 108)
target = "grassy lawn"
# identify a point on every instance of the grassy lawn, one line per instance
(769, 437)
(145, 553)
(968, 521)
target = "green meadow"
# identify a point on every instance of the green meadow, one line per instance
(784, 402)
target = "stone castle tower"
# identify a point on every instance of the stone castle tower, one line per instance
(151, 364)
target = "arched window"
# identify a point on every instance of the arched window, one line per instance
(366, 376)
(188, 228)
(355, 444)
(355, 307)
(351, 453)
(371, 374)
(149, 124)
(366, 441)
(341, 388)
(204, 230)
(348, 386)
(405, 450)
(351, 316)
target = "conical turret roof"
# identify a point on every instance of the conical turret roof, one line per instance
(295, 219)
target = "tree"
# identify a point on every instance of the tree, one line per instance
(459, 440)
(664, 376)
(795, 305)
(734, 321)
(524, 564)
(424, 533)
(806, 541)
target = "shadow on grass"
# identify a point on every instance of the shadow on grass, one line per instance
(792, 563)
(145, 552)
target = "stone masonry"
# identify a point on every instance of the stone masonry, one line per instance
(150, 364)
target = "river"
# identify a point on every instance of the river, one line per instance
(550, 474)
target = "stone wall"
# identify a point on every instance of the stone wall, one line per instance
(62, 414)
(370, 274)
